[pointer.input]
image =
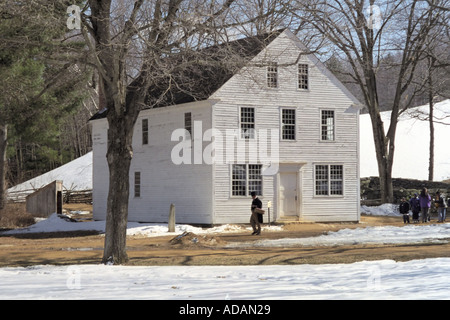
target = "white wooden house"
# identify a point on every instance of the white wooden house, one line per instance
(283, 126)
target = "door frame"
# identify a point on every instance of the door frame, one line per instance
(290, 168)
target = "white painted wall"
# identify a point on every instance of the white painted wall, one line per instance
(202, 192)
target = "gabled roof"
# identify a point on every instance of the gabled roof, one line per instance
(195, 76)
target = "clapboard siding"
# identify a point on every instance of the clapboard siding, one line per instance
(248, 89)
(202, 192)
(188, 186)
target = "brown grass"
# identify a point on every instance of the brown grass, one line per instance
(14, 215)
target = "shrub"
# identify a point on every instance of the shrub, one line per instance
(14, 215)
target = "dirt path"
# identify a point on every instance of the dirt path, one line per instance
(85, 247)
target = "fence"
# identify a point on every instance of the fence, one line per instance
(69, 196)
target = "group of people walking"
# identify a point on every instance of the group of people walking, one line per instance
(420, 206)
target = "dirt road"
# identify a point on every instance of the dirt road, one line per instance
(86, 247)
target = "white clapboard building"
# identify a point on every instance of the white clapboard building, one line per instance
(282, 126)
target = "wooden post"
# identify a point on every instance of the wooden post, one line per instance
(172, 218)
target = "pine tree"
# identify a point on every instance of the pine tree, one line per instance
(39, 78)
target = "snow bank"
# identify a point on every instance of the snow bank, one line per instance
(412, 234)
(384, 280)
(56, 224)
(386, 209)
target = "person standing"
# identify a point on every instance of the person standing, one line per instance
(415, 207)
(404, 210)
(255, 218)
(441, 206)
(425, 203)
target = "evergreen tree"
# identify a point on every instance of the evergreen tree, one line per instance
(39, 78)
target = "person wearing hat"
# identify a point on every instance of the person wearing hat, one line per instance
(256, 218)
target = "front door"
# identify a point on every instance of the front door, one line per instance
(288, 194)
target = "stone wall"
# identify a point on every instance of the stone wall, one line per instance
(370, 189)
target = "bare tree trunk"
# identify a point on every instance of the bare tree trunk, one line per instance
(119, 157)
(3, 145)
(431, 163)
(431, 120)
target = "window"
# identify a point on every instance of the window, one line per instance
(303, 77)
(247, 123)
(144, 131)
(327, 127)
(137, 184)
(245, 179)
(329, 180)
(254, 179)
(239, 180)
(272, 75)
(188, 124)
(288, 124)
(336, 180)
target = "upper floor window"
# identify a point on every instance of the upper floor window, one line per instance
(247, 123)
(288, 124)
(327, 125)
(303, 76)
(272, 75)
(144, 131)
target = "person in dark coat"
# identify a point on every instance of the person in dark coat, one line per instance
(415, 207)
(404, 210)
(256, 218)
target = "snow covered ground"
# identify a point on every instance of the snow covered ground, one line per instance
(412, 144)
(75, 175)
(386, 279)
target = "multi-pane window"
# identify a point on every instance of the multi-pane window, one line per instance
(288, 124)
(254, 179)
(327, 125)
(246, 178)
(144, 131)
(239, 180)
(336, 180)
(188, 124)
(272, 75)
(137, 184)
(303, 76)
(329, 180)
(247, 120)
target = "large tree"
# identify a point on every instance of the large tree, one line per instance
(366, 32)
(141, 50)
